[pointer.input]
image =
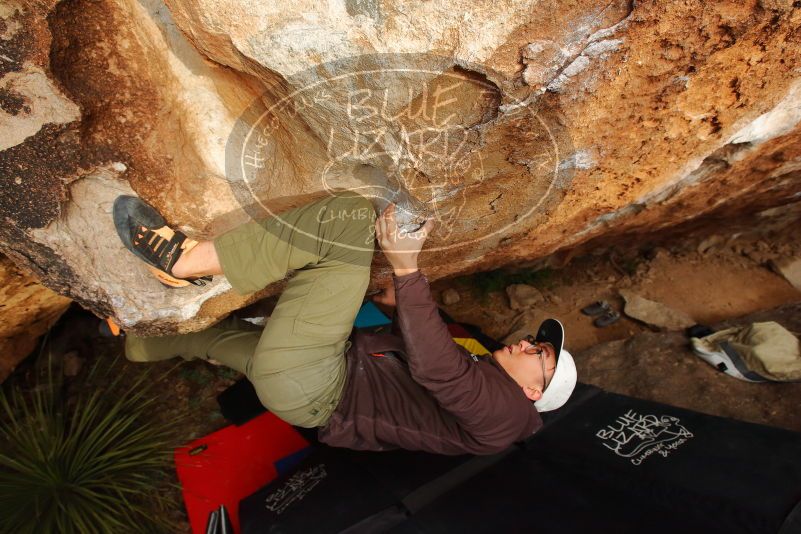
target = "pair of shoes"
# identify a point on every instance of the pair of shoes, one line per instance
(603, 312)
(596, 308)
(145, 233)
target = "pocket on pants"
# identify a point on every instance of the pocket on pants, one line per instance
(280, 393)
(330, 307)
(305, 395)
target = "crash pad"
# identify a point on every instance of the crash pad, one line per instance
(233, 462)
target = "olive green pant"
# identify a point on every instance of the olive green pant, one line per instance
(296, 363)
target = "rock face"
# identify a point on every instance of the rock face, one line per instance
(528, 129)
(790, 269)
(450, 296)
(654, 313)
(522, 296)
(28, 309)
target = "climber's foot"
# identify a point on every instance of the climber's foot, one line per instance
(109, 328)
(145, 233)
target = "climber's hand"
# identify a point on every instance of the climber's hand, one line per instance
(386, 297)
(401, 248)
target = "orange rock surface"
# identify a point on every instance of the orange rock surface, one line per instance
(27, 310)
(530, 130)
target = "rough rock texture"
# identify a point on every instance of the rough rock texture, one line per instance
(790, 269)
(522, 296)
(450, 296)
(654, 313)
(528, 129)
(27, 310)
(662, 367)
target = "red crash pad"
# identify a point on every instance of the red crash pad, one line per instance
(230, 464)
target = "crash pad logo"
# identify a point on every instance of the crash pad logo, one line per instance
(411, 129)
(637, 437)
(295, 489)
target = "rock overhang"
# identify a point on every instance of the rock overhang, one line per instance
(660, 108)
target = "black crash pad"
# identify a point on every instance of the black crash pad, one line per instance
(746, 476)
(604, 463)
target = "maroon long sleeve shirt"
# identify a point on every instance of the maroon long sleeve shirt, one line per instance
(422, 391)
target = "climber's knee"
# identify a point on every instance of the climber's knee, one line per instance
(135, 349)
(152, 349)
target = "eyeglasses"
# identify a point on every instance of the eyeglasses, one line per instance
(535, 349)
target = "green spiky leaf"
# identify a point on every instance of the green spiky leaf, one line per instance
(97, 462)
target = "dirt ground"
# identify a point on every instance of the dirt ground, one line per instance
(725, 281)
(719, 280)
(717, 283)
(662, 367)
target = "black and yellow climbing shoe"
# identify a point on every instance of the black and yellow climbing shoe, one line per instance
(145, 233)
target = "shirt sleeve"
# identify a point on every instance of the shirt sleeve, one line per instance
(458, 384)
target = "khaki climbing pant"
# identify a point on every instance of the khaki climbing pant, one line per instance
(296, 363)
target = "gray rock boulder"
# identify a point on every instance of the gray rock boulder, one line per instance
(522, 296)
(450, 296)
(654, 313)
(790, 269)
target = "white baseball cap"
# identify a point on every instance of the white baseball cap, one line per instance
(565, 376)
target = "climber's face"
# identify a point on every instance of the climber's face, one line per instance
(532, 363)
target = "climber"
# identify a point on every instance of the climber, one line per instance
(416, 390)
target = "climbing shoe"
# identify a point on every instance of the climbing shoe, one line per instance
(609, 317)
(145, 233)
(597, 308)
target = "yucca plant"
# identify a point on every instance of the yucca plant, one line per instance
(94, 462)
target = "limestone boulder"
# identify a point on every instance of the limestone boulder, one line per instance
(527, 129)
